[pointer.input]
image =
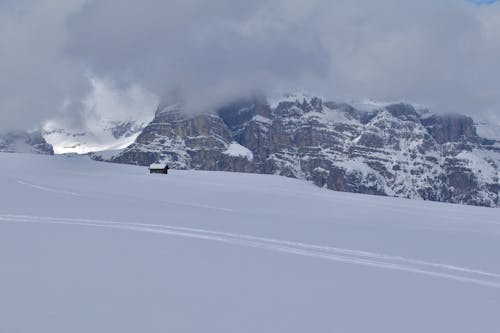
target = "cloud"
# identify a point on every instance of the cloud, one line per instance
(105, 107)
(442, 53)
(36, 78)
(212, 51)
(483, 2)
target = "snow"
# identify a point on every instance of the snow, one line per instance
(98, 138)
(332, 116)
(488, 131)
(483, 161)
(275, 100)
(106, 109)
(235, 149)
(261, 119)
(158, 166)
(355, 165)
(368, 104)
(107, 155)
(96, 247)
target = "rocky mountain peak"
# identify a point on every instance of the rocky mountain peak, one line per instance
(393, 149)
(403, 111)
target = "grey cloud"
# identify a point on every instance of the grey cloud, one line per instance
(212, 50)
(36, 80)
(442, 53)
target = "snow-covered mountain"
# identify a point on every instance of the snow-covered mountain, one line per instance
(24, 142)
(111, 118)
(376, 148)
(107, 134)
(101, 247)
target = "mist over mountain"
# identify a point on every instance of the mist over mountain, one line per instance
(441, 53)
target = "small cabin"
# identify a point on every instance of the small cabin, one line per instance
(158, 168)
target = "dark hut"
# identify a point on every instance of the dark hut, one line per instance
(158, 168)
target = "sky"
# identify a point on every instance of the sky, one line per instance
(53, 53)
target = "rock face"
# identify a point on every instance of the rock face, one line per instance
(193, 142)
(392, 150)
(24, 142)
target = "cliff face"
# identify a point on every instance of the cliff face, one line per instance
(24, 142)
(394, 150)
(452, 128)
(193, 142)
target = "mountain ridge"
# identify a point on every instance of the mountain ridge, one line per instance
(394, 150)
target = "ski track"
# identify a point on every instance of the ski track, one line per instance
(392, 208)
(343, 255)
(176, 203)
(47, 189)
(328, 198)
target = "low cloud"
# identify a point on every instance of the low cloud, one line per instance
(442, 53)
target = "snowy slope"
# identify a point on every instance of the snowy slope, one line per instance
(95, 247)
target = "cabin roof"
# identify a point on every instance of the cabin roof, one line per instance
(158, 166)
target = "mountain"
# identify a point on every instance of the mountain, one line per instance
(392, 149)
(102, 134)
(24, 142)
(110, 118)
(188, 142)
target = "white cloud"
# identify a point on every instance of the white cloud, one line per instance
(104, 108)
(442, 53)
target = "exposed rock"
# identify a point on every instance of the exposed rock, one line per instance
(450, 128)
(183, 141)
(394, 150)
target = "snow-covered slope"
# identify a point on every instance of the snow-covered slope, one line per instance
(95, 247)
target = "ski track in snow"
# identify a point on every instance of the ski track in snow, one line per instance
(170, 202)
(47, 189)
(343, 255)
(350, 197)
